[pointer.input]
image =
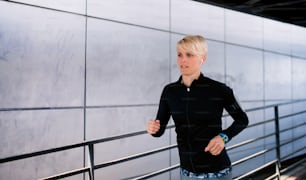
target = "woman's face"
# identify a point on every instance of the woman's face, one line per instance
(188, 62)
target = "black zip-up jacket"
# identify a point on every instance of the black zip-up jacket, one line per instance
(197, 113)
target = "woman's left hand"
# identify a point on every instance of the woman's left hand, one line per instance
(215, 146)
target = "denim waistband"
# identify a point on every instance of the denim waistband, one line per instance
(217, 174)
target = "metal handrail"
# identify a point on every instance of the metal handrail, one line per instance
(249, 141)
(72, 146)
(135, 156)
(67, 174)
(86, 143)
(161, 171)
(91, 143)
(277, 104)
(256, 170)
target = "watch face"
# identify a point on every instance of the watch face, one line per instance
(224, 137)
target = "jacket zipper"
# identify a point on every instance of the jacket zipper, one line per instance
(188, 123)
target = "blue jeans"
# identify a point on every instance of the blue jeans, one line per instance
(225, 174)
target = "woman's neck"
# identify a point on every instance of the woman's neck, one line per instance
(188, 79)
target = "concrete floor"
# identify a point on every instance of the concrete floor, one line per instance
(297, 173)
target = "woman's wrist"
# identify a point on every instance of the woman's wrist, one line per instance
(224, 137)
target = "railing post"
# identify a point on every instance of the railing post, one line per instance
(91, 161)
(277, 139)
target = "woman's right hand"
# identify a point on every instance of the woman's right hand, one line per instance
(153, 126)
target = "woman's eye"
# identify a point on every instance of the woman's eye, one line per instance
(189, 55)
(179, 55)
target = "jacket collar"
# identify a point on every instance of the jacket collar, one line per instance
(200, 79)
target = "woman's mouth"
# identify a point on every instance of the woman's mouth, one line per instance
(184, 67)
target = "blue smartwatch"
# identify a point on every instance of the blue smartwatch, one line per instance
(224, 137)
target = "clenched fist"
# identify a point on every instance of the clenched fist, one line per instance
(215, 146)
(153, 126)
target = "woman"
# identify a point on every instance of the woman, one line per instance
(196, 104)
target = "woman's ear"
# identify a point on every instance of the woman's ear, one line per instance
(203, 59)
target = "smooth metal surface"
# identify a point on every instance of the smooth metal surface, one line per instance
(183, 21)
(238, 32)
(149, 13)
(77, 6)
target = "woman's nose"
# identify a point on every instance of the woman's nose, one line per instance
(182, 59)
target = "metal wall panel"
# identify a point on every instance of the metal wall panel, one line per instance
(108, 122)
(277, 77)
(136, 168)
(277, 36)
(41, 129)
(117, 120)
(125, 64)
(150, 13)
(190, 17)
(298, 78)
(214, 66)
(244, 72)
(243, 29)
(31, 131)
(42, 57)
(43, 166)
(76, 6)
(298, 41)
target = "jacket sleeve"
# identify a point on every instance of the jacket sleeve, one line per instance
(239, 116)
(163, 113)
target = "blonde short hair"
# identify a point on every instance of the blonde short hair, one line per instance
(196, 44)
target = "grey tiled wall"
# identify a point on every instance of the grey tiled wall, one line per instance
(74, 70)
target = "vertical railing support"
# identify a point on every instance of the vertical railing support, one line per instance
(91, 161)
(277, 139)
